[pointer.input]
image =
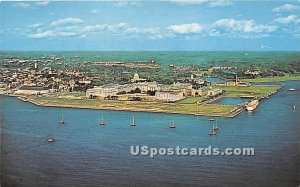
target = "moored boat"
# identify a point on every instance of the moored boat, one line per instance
(172, 125)
(250, 106)
(213, 131)
(102, 122)
(62, 122)
(132, 123)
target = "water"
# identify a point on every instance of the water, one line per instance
(86, 154)
(209, 58)
(214, 79)
(231, 101)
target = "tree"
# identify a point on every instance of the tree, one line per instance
(152, 93)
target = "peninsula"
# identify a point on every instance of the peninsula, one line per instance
(137, 85)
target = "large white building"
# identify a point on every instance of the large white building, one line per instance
(169, 95)
(102, 91)
(114, 89)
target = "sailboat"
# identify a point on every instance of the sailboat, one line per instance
(132, 123)
(216, 126)
(213, 131)
(102, 122)
(62, 122)
(172, 125)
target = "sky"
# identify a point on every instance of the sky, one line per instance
(170, 25)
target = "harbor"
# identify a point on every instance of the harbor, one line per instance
(84, 149)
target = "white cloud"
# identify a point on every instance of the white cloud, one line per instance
(189, 2)
(265, 47)
(286, 7)
(132, 30)
(42, 3)
(288, 19)
(211, 3)
(60, 29)
(66, 21)
(122, 24)
(296, 32)
(34, 26)
(214, 32)
(45, 34)
(243, 26)
(97, 27)
(220, 3)
(125, 3)
(94, 11)
(186, 28)
(51, 34)
(153, 33)
(21, 5)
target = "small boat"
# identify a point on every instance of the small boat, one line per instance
(172, 125)
(213, 131)
(62, 122)
(294, 107)
(216, 126)
(50, 140)
(132, 123)
(102, 122)
(292, 89)
(250, 106)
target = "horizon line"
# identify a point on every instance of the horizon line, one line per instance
(149, 51)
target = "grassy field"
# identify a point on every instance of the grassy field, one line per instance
(190, 100)
(210, 110)
(274, 79)
(242, 91)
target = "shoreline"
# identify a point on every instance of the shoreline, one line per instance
(232, 113)
(196, 109)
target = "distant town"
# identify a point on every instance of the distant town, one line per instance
(31, 79)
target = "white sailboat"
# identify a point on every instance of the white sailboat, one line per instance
(132, 123)
(102, 122)
(215, 126)
(62, 122)
(172, 125)
(213, 131)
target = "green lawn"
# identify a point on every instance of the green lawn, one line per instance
(241, 91)
(137, 106)
(74, 94)
(274, 79)
(190, 100)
